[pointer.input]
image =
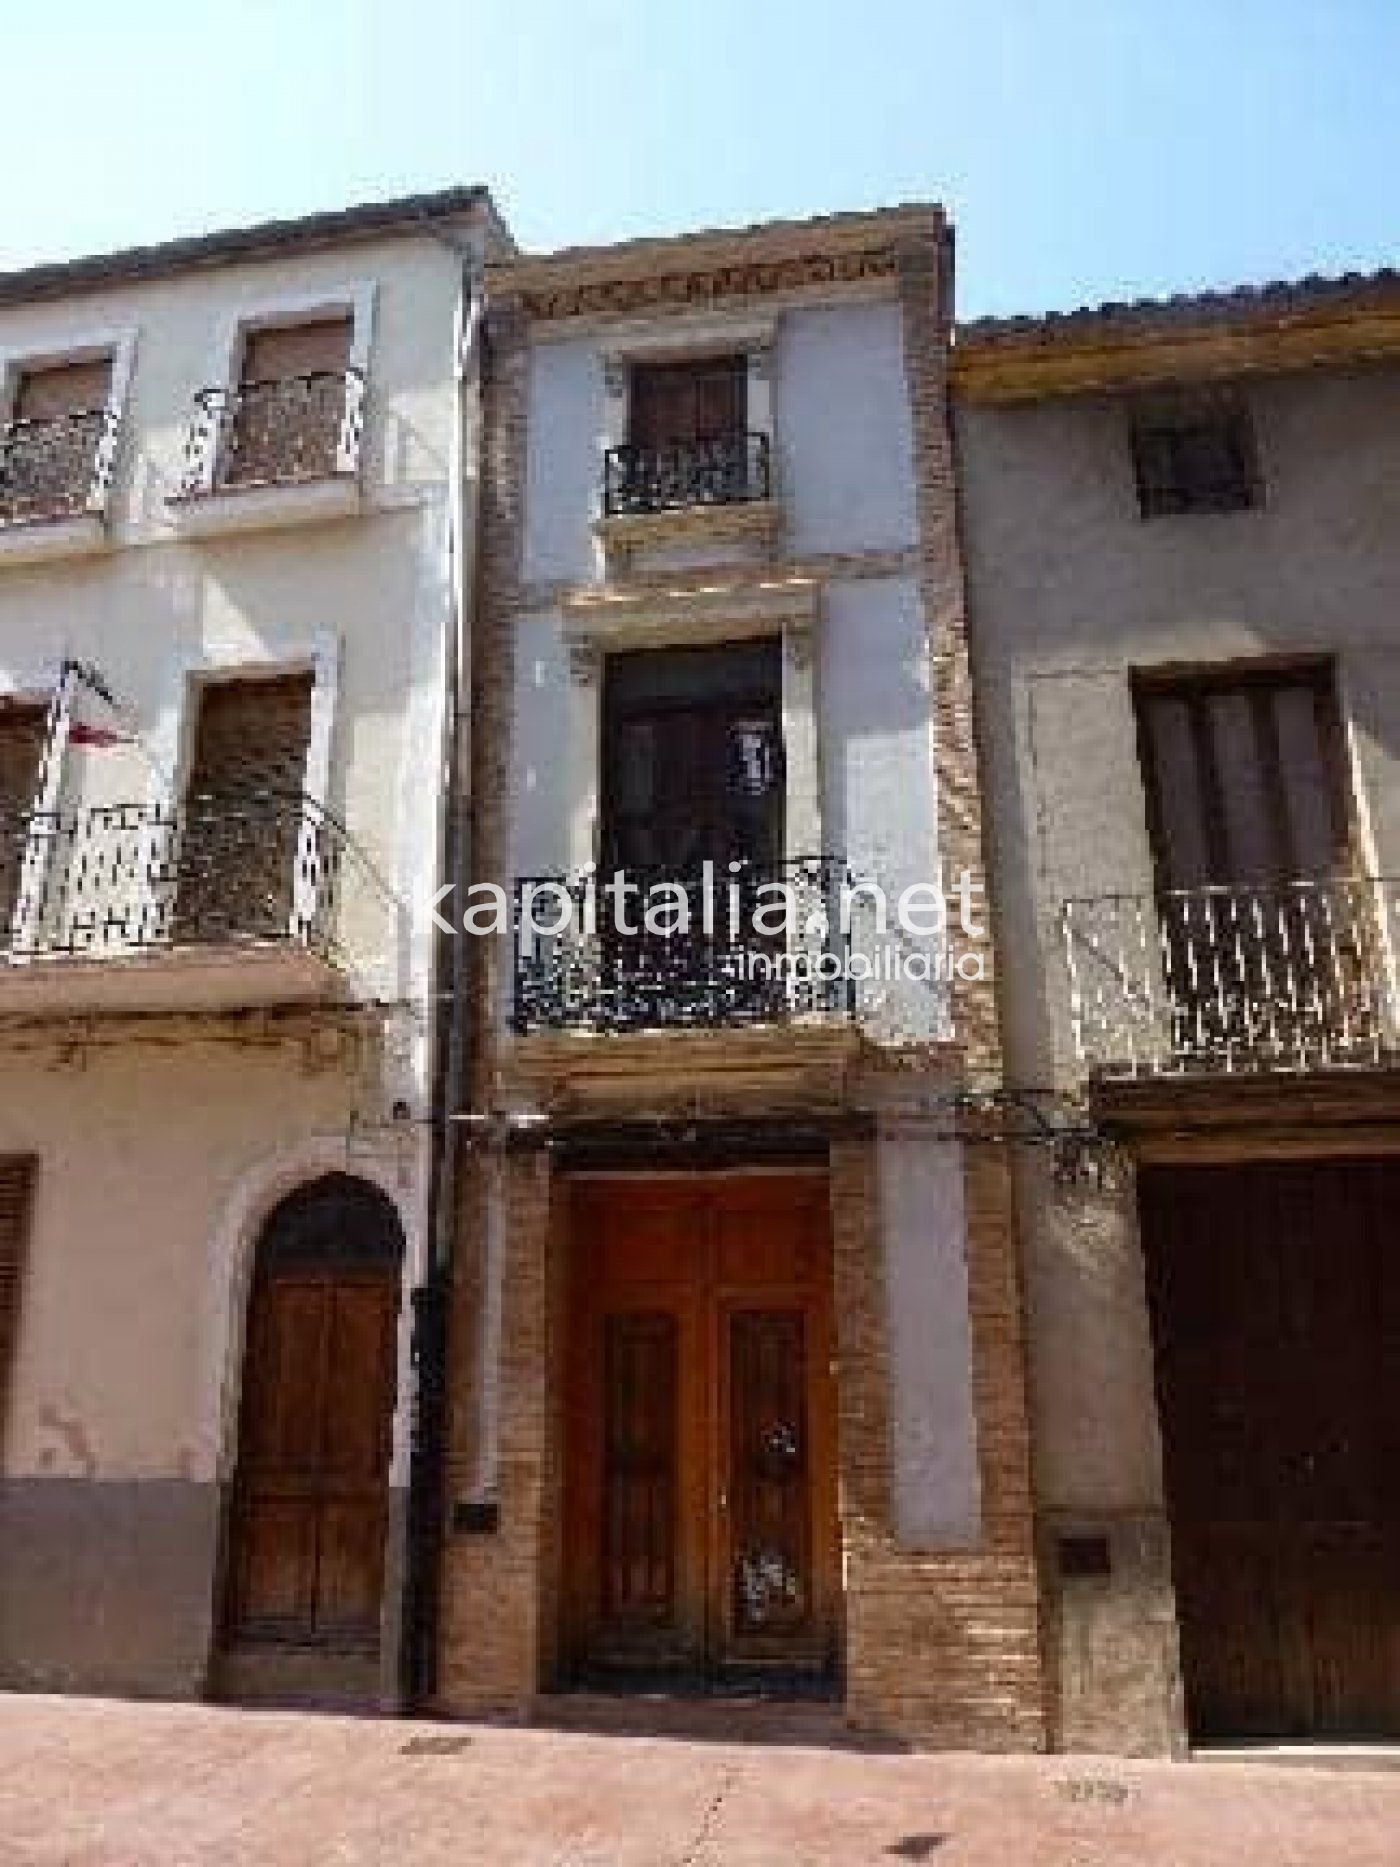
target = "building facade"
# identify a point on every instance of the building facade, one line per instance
(537, 1155)
(1183, 579)
(737, 1390)
(236, 528)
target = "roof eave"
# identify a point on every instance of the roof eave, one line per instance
(268, 239)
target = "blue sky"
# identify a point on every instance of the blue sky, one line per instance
(1086, 148)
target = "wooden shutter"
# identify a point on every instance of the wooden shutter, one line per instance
(252, 737)
(1244, 777)
(693, 765)
(284, 351)
(63, 389)
(21, 753)
(21, 749)
(16, 1189)
(674, 403)
(242, 821)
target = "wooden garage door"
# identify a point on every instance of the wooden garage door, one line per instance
(1275, 1297)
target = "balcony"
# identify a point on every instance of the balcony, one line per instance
(714, 970)
(275, 452)
(1213, 982)
(711, 496)
(152, 907)
(54, 476)
(720, 470)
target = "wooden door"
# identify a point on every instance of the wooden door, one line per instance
(1275, 1295)
(309, 1515)
(693, 773)
(693, 764)
(700, 1482)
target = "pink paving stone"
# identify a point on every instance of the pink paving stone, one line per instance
(95, 1783)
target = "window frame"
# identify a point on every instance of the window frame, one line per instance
(116, 344)
(681, 341)
(174, 749)
(356, 300)
(1196, 684)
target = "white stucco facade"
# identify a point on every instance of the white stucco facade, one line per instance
(169, 1103)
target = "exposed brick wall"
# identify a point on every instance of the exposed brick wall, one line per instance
(490, 1633)
(941, 1649)
(495, 1625)
(924, 276)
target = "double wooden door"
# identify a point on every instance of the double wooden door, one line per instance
(310, 1502)
(701, 1511)
(1275, 1296)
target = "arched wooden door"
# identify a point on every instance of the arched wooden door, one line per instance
(310, 1495)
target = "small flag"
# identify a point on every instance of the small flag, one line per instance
(89, 694)
(84, 733)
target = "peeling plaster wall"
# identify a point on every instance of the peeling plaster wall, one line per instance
(121, 1434)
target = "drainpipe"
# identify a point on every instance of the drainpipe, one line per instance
(427, 1460)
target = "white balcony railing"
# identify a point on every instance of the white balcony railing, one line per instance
(1299, 976)
(117, 879)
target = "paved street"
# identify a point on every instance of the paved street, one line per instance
(87, 1782)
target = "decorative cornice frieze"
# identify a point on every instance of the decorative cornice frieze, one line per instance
(691, 288)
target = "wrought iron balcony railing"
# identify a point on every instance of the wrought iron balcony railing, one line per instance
(113, 879)
(56, 467)
(1231, 980)
(721, 470)
(276, 433)
(711, 966)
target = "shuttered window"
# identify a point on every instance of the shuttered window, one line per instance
(63, 389)
(252, 737)
(21, 748)
(243, 810)
(49, 460)
(21, 752)
(285, 350)
(1244, 776)
(16, 1191)
(676, 403)
(291, 404)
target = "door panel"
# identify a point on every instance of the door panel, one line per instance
(310, 1503)
(700, 1472)
(769, 1518)
(641, 1468)
(1274, 1291)
(276, 1541)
